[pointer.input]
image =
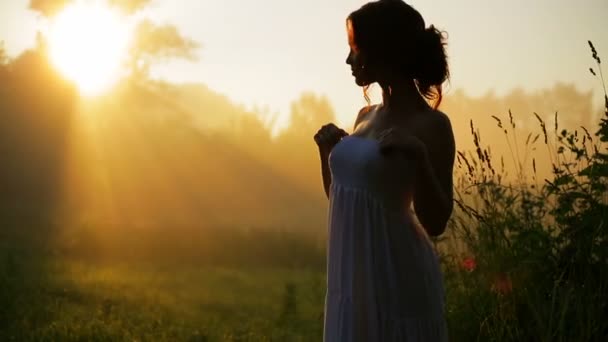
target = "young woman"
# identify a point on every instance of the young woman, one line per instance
(384, 282)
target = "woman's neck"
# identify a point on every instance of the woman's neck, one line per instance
(403, 96)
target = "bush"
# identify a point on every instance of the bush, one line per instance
(528, 261)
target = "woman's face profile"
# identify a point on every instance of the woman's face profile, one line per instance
(356, 59)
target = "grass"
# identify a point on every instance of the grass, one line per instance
(81, 301)
(527, 258)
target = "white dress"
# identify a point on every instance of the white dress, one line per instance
(383, 277)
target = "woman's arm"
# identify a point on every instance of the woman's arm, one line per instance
(434, 156)
(325, 172)
(433, 193)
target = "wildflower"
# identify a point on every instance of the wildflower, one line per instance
(469, 264)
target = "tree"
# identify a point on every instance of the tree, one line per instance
(152, 42)
(295, 146)
(308, 114)
(48, 8)
(155, 43)
(3, 55)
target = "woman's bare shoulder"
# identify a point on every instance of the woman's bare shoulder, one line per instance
(364, 113)
(437, 131)
(436, 121)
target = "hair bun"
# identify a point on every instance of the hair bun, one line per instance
(431, 67)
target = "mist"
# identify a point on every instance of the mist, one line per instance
(169, 210)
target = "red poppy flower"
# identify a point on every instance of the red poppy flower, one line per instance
(469, 264)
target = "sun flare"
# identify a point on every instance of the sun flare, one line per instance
(88, 43)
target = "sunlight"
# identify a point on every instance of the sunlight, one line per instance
(88, 43)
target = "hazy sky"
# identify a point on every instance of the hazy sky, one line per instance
(269, 51)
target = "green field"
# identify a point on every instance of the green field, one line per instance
(71, 300)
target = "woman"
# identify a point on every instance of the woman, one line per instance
(383, 278)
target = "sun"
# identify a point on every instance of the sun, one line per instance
(88, 43)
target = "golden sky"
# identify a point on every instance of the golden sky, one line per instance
(267, 52)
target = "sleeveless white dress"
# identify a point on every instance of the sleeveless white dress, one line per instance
(384, 282)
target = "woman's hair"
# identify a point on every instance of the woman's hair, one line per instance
(394, 34)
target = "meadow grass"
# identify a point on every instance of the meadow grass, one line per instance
(83, 301)
(526, 258)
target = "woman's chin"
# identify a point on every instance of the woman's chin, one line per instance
(361, 83)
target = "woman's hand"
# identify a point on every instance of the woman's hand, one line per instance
(327, 137)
